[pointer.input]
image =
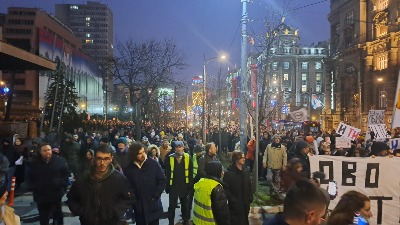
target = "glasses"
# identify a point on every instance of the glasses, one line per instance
(98, 159)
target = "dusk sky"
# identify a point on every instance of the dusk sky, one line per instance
(199, 27)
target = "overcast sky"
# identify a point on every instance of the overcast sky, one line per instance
(201, 27)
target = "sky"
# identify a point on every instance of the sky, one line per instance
(201, 27)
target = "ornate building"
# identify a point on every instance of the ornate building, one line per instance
(364, 63)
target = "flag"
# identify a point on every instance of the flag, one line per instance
(299, 115)
(316, 102)
(396, 108)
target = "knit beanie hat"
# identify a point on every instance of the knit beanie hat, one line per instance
(214, 169)
(300, 145)
(122, 140)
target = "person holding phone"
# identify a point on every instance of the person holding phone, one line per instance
(351, 204)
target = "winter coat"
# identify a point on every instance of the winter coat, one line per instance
(305, 161)
(251, 148)
(201, 164)
(11, 154)
(49, 180)
(147, 183)
(276, 156)
(102, 201)
(239, 193)
(122, 158)
(70, 151)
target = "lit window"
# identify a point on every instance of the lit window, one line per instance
(88, 41)
(274, 65)
(285, 76)
(88, 24)
(304, 65)
(318, 77)
(87, 18)
(286, 65)
(73, 7)
(382, 62)
(88, 35)
(318, 88)
(318, 65)
(382, 4)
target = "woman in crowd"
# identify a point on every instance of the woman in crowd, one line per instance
(351, 204)
(153, 152)
(87, 162)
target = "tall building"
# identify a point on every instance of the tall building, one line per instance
(93, 24)
(364, 60)
(295, 75)
(40, 33)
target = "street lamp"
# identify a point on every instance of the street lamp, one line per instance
(205, 61)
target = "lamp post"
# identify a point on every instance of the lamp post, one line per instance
(205, 61)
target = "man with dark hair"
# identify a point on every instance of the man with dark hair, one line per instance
(147, 181)
(305, 204)
(210, 202)
(49, 178)
(102, 196)
(210, 155)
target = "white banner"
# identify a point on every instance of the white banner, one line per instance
(380, 131)
(396, 108)
(394, 143)
(376, 117)
(375, 177)
(299, 115)
(348, 131)
(342, 142)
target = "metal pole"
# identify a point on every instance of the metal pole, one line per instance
(219, 109)
(204, 101)
(243, 80)
(255, 167)
(187, 108)
(359, 100)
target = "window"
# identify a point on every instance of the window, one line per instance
(274, 65)
(286, 65)
(381, 23)
(350, 18)
(304, 65)
(382, 5)
(88, 35)
(318, 77)
(304, 82)
(73, 7)
(286, 76)
(318, 88)
(382, 62)
(318, 65)
(88, 41)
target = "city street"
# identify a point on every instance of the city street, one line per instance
(26, 209)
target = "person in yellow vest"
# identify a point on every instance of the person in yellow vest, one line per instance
(197, 154)
(179, 173)
(210, 202)
(7, 215)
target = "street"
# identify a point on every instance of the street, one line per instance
(26, 209)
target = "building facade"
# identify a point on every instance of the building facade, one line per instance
(40, 33)
(295, 75)
(364, 63)
(93, 24)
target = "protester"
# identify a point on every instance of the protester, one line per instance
(70, 151)
(179, 173)
(250, 154)
(304, 204)
(350, 204)
(87, 162)
(103, 196)
(275, 159)
(147, 181)
(238, 189)
(12, 155)
(49, 178)
(210, 155)
(153, 152)
(379, 149)
(210, 202)
(302, 154)
(121, 157)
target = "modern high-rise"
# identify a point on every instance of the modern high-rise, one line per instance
(93, 24)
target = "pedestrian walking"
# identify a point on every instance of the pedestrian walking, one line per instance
(238, 189)
(49, 178)
(210, 202)
(179, 173)
(147, 181)
(275, 159)
(103, 196)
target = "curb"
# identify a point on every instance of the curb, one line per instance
(265, 209)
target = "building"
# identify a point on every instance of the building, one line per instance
(93, 24)
(294, 75)
(365, 59)
(40, 33)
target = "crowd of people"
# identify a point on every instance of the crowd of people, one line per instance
(115, 178)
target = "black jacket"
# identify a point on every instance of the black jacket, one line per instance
(49, 180)
(201, 165)
(100, 201)
(147, 184)
(305, 161)
(178, 185)
(276, 220)
(238, 189)
(219, 205)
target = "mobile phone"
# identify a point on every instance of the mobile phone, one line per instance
(332, 189)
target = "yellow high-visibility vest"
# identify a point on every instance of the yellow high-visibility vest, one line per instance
(172, 163)
(202, 211)
(195, 165)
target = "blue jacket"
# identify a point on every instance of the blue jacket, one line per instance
(147, 183)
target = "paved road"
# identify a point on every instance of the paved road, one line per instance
(26, 209)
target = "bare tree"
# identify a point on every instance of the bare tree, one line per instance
(143, 67)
